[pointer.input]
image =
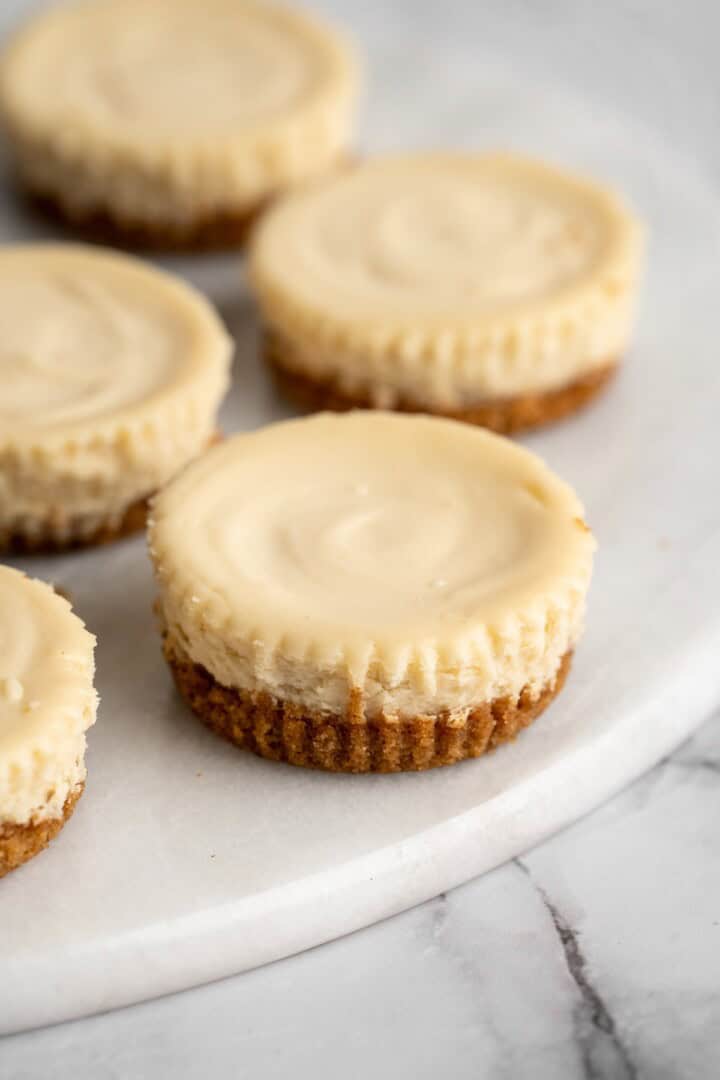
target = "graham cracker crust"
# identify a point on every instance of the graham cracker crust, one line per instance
(54, 540)
(18, 843)
(353, 743)
(504, 415)
(217, 233)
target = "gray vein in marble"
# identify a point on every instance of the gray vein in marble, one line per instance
(439, 915)
(604, 1056)
(696, 763)
(439, 920)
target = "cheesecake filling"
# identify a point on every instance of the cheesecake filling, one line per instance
(172, 113)
(426, 565)
(112, 374)
(448, 279)
(47, 700)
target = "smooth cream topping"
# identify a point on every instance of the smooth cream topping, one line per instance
(90, 337)
(438, 238)
(366, 534)
(47, 699)
(197, 69)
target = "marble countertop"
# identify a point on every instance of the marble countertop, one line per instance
(597, 954)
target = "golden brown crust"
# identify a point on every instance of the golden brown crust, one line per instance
(353, 743)
(71, 536)
(505, 415)
(18, 843)
(218, 233)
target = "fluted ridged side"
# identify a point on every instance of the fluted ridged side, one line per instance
(18, 843)
(354, 743)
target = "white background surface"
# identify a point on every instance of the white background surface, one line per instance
(597, 955)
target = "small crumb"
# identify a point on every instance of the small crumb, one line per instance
(212, 856)
(194, 599)
(198, 774)
(438, 583)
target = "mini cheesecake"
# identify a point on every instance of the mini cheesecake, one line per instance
(171, 122)
(112, 374)
(484, 287)
(47, 703)
(369, 592)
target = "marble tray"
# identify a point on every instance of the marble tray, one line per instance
(187, 860)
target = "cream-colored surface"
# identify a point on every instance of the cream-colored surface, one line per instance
(449, 278)
(111, 373)
(174, 110)
(430, 564)
(47, 699)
